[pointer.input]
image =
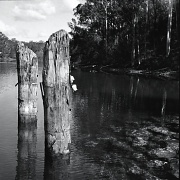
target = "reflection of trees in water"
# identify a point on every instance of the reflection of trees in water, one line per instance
(107, 110)
(164, 102)
(102, 100)
(163, 109)
(26, 158)
(107, 96)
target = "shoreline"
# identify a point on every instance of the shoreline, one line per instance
(2, 62)
(164, 73)
(7, 60)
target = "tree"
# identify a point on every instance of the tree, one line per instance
(169, 28)
(178, 20)
(125, 33)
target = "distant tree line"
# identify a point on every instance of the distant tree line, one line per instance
(36, 47)
(8, 48)
(126, 33)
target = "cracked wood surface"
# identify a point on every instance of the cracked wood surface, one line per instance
(27, 69)
(56, 87)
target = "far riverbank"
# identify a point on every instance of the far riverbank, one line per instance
(164, 73)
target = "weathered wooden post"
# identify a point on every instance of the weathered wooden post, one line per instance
(56, 92)
(27, 69)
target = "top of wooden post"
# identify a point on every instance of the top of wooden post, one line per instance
(57, 41)
(27, 64)
(59, 34)
(56, 59)
(25, 54)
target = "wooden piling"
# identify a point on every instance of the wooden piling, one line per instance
(56, 88)
(27, 69)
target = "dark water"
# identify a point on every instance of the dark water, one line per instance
(122, 127)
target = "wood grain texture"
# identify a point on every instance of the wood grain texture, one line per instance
(56, 87)
(27, 69)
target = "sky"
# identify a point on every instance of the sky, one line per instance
(35, 20)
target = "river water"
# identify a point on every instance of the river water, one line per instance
(122, 127)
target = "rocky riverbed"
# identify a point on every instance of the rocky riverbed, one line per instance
(147, 149)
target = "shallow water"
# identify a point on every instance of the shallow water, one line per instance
(122, 127)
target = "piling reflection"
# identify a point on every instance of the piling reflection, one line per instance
(116, 94)
(56, 165)
(164, 103)
(26, 158)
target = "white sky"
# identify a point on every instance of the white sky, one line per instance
(35, 20)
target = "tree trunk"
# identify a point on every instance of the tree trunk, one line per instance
(146, 27)
(104, 4)
(154, 24)
(168, 47)
(56, 86)
(106, 28)
(133, 53)
(27, 69)
(178, 20)
(138, 39)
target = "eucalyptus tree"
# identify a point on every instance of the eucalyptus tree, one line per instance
(123, 32)
(178, 20)
(169, 25)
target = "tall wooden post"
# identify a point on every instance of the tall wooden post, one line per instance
(27, 69)
(56, 92)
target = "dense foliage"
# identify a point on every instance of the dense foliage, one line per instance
(8, 48)
(36, 47)
(126, 33)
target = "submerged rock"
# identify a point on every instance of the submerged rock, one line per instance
(139, 157)
(139, 141)
(143, 133)
(135, 170)
(174, 164)
(116, 129)
(161, 130)
(153, 145)
(167, 153)
(157, 164)
(175, 136)
(148, 176)
(140, 137)
(174, 145)
(122, 145)
(91, 144)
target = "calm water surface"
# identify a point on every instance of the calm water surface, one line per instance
(112, 121)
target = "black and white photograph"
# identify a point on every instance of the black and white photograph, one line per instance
(89, 89)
